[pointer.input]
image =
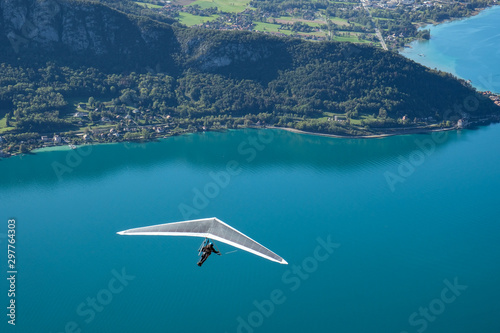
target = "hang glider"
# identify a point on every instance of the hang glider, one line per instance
(212, 228)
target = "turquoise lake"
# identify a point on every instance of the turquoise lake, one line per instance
(394, 243)
(399, 234)
(468, 48)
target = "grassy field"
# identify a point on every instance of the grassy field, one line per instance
(314, 24)
(148, 5)
(270, 27)
(4, 129)
(338, 20)
(341, 21)
(314, 33)
(228, 6)
(353, 37)
(190, 20)
(342, 116)
(322, 20)
(98, 127)
(291, 20)
(356, 122)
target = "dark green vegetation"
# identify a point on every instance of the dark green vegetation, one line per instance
(153, 79)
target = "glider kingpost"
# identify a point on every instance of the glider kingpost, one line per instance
(212, 228)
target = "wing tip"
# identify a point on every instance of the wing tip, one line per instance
(283, 262)
(121, 232)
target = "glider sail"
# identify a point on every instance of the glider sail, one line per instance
(212, 228)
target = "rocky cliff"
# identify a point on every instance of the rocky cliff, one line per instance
(82, 30)
(97, 35)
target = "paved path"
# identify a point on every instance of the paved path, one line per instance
(381, 38)
(377, 30)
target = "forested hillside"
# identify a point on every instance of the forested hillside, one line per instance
(56, 55)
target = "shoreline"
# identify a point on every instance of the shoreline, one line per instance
(454, 19)
(397, 132)
(373, 136)
(66, 147)
(423, 25)
(430, 54)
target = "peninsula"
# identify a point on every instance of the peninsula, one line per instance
(88, 73)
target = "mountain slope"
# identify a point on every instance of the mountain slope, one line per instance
(76, 49)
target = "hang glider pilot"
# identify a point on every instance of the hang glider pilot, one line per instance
(207, 251)
(210, 227)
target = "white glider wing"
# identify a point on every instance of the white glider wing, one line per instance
(212, 228)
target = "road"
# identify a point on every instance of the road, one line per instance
(381, 38)
(377, 30)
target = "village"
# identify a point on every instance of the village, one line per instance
(333, 20)
(105, 123)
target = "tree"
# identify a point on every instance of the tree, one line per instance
(92, 116)
(91, 101)
(145, 134)
(22, 148)
(424, 34)
(382, 113)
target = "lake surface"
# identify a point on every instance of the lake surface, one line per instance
(468, 48)
(399, 234)
(403, 219)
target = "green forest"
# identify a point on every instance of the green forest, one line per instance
(212, 80)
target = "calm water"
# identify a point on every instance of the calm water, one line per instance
(411, 226)
(468, 48)
(393, 246)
